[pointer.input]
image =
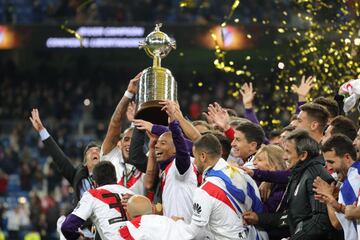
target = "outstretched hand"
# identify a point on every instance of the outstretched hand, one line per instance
(248, 95)
(133, 84)
(172, 109)
(249, 171)
(219, 116)
(35, 120)
(304, 88)
(143, 125)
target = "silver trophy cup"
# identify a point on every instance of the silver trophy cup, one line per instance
(156, 83)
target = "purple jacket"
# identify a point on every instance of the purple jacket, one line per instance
(279, 179)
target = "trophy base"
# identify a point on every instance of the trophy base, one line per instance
(151, 112)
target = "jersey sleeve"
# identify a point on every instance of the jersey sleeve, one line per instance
(84, 207)
(183, 176)
(202, 206)
(107, 157)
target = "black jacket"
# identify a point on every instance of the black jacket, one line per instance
(306, 218)
(73, 174)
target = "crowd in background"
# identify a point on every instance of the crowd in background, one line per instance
(117, 12)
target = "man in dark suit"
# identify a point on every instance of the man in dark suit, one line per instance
(79, 177)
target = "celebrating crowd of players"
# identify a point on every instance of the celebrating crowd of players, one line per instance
(216, 179)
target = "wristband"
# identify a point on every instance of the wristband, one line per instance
(128, 94)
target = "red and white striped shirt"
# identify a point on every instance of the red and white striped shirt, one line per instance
(103, 206)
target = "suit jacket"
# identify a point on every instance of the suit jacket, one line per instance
(73, 174)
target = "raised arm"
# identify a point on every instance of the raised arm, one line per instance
(62, 162)
(278, 176)
(113, 132)
(182, 159)
(219, 115)
(189, 130)
(248, 95)
(303, 90)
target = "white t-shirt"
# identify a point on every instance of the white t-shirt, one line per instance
(134, 179)
(103, 206)
(154, 227)
(177, 191)
(213, 208)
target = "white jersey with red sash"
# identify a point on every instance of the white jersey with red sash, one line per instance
(153, 227)
(127, 175)
(178, 190)
(348, 195)
(103, 206)
(216, 206)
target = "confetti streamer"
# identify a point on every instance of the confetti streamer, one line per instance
(72, 31)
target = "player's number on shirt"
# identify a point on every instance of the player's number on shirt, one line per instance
(117, 204)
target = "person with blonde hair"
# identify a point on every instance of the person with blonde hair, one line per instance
(269, 158)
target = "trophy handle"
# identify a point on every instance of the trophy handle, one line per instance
(173, 44)
(142, 45)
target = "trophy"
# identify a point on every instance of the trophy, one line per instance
(156, 83)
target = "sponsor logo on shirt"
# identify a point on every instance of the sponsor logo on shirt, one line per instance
(197, 208)
(243, 234)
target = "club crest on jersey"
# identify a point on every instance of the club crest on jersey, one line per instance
(197, 208)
